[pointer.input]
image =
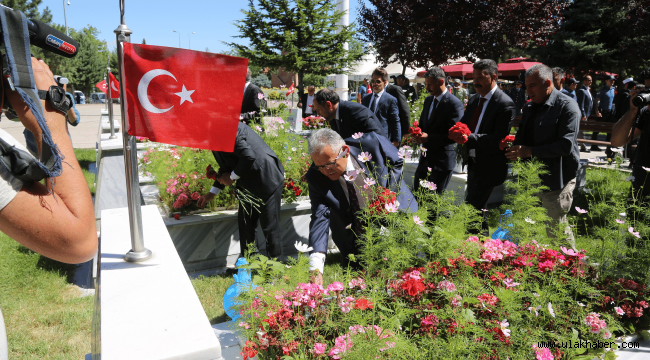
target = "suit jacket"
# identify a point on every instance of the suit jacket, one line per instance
(257, 166)
(250, 102)
(402, 107)
(354, 118)
(585, 101)
(622, 103)
(330, 207)
(440, 154)
(554, 140)
(518, 97)
(387, 114)
(495, 125)
(303, 101)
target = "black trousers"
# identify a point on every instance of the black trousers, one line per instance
(478, 192)
(269, 218)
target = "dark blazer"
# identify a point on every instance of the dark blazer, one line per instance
(251, 102)
(257, 166)
(621, 103)
(387, 114)
(328, 200)
(402, 107)
(303, 101)
(585, 102)
(554, 140)
(489, 160)
(518, 97)
(440, 154)
(354, 118)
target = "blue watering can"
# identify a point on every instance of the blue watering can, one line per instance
(242, 283)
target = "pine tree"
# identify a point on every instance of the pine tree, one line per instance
(298, 35)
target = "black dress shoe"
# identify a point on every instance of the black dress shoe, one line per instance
(596, 148)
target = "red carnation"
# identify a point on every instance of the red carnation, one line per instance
(363, 304)
(413, 287)
(210, 173)
(506, 142)
(297, 191)
(459, 133)
(415, 130)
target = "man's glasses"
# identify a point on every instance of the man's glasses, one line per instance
(330, 164)
(376, 81)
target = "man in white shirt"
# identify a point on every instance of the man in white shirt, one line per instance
(307, 102)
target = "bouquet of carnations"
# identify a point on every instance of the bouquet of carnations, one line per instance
(460, 134)
(415, 130)
(210, 173)
(314, 122)
(291, 191)
(506, 142)
(385, 202)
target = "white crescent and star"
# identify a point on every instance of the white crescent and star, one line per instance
(143, 86)
(113, 86)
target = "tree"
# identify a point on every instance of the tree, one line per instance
(298, 35)
(91, 59)
(312, 79)
(261, 80)
(144, 41)
(434, 31)
(30, 9)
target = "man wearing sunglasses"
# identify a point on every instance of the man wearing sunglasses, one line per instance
(337, 189)
(346, 117)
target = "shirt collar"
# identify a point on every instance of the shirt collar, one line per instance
(551, 99)
(379, 94)
(441, 95)
(488, 96)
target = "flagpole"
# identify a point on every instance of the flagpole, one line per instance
(138, 251)
(110, 97)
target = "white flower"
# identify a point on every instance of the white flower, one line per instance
(581, 304)
(302, 247)
(349, 226)
(368, 182)
(350, 175)
(293, 149)
(645, 168)
(423, 150)
(531, 309)
(383, 231)
(535, 294)
(550, 310)
(428, 184)
(417, 221)
(401, 154)
(364, 156)
(392, 207)
(258, 128)
(631, 230)
(357, 135)
(529, 220)
(504, 326)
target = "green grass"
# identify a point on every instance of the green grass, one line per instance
(85, 158)
(44, 315)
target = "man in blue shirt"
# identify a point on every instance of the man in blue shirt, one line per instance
(604, 105)
(363, 90)
(570, 88)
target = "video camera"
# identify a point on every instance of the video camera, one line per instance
(642, 98)
(41, 35)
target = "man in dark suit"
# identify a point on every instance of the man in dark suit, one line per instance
(336, 198)
(307, 102)
(384, 106)
(441, 111)
(250, 106)
(518, 95)
(257, 170)
(549, 132)
(402, 106)
(346, 117)
(586, 104)
(488, 116)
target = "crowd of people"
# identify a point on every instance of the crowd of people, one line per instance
(361, 147)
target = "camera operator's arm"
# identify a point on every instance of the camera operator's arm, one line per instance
(624, 131)
(59, 224)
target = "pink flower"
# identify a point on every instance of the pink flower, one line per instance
(358, 282)
(620, 221)
(244, 325)
(364, 156)
(357, 135)
(417, 221)
(619, 311)
(456, 300)
(368, 182)
(488, 299)
(543, 353)
(401, 154)
(510, 283)
(319, 348)
(341, 345)
(446, 285)
(550, 310)
(392, 207)
(631, 230)
(580, 210)
(569, 252)
(350, 175)
(504, 327)
(335, 286)
(195, 196)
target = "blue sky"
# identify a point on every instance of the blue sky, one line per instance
(154, 20)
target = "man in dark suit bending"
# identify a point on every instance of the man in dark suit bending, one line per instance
(336, 200)
(346, 117)
(488, 116)
(441, 111)
(384, 106)
(256, 169)
(250, 106)
(549, 132)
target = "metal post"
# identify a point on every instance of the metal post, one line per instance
(138, 251)
(179, 38)
(189, 43)
(66, 19)
(105, 82)
(342, 80)
(110, 105)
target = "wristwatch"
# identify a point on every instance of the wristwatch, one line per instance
(56, 97)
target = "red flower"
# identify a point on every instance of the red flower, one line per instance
(363, 304)
(506, 142)
(415, 130)
(297, 191)
(413, 287)
(249, 351)
(177, 216)
(459, 133)
(210, 173)
(379, 205)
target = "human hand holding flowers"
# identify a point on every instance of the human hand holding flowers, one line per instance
(460, 134)
(518, 151)
(225, 179)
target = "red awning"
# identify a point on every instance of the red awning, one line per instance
(515, 68)
(460, 69)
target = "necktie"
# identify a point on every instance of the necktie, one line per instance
(477, 114)
(355, 207)
(433, 110)
(373, 106)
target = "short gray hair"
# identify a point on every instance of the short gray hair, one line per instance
(544, 72)
(324, 137)
(559, 71)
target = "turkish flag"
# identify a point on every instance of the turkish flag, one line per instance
(115, 86)
(183, 97)
(291, 89)
(101, 86)
(369, 90)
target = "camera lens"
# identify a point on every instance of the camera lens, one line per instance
(641, 100)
